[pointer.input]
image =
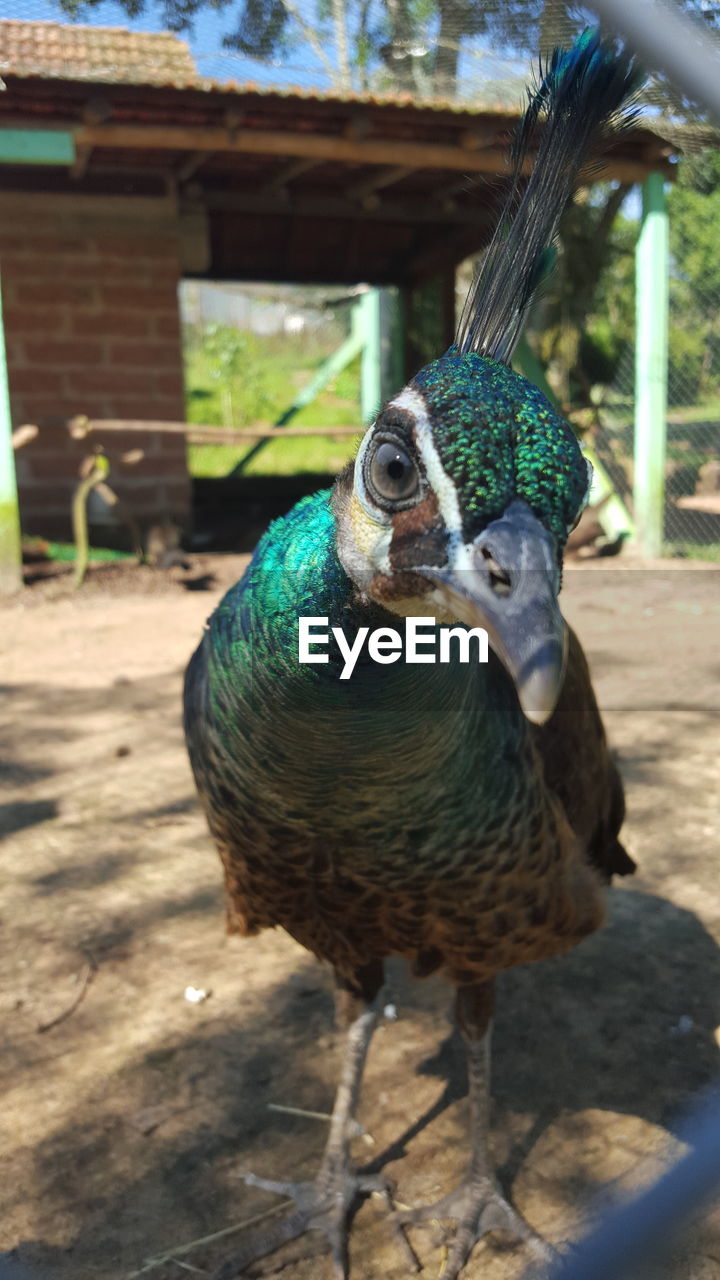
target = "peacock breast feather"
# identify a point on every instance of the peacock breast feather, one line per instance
(393, 812)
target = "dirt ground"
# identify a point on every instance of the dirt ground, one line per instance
(128, 1112)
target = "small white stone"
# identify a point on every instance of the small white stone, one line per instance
(196, 995)
(390, 1012)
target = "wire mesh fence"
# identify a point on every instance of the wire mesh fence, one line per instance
(692, 455)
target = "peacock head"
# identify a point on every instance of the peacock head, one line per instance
(458, 507)
(467, 484)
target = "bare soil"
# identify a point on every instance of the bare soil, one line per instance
(128, 1112)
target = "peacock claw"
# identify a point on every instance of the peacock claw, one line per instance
(477, 1206)
(325, 1205)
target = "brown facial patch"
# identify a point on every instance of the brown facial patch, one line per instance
(419, 536)
(399, 586)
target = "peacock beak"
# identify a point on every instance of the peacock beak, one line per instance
(507, 581)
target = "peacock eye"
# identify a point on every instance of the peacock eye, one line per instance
(392, 475)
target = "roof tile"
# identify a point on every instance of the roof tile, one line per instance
(107, 55)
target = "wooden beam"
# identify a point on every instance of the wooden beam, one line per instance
(82, 159)
(320, 147)
(96, 111)
(423, 211)
(417, 155)
(191, 166)
(288, 173)
(382, 178)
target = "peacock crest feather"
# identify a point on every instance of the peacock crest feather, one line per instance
(585, 92)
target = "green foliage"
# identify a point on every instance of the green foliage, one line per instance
(236, 379)
(228, 381)
(686, 352)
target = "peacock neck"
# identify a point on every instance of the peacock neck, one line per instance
(382, 710)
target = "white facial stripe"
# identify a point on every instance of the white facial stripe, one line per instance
(458, 553)
(440, 481)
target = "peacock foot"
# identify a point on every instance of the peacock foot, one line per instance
(326, 1205)
(477, 1207)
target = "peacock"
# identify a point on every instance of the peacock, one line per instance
(462, 814)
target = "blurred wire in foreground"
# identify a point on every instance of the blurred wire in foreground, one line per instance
(670, 41)
(631, 1235)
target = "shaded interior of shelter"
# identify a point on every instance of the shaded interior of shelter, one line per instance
(203, 181)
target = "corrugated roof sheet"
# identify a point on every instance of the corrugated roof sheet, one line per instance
(109, 55)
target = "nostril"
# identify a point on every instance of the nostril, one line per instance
(499, 578)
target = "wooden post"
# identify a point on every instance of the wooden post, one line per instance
(10, 554)
(368, 311)
(651, 366)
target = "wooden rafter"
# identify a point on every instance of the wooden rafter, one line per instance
(190, 167)
(383, 177)
(288, 173)
(320, 147)
(319, 206)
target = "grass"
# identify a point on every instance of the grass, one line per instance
(278, 458)
(65, 553)
(254, 380)
(696, 551)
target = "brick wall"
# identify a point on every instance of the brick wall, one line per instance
(92, 327)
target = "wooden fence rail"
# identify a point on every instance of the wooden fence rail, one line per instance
(80, 427)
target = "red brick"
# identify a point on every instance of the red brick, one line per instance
(160, 275)
(32, 267)
(38, 406)
(51, 246)
(133, 246)
(145, 353)
(61, 466)
(167, 326)
(36, 497)
(170, 443)
(63, 353)
(169, 407)
(32, 320)
(98, 269)
(111, 324)
(169, 383)
(152, 464)
(117, 442)
(108, 381)
(141, 408)
(35, 380)
(57, 295)
(132, 296)
(14, 347)
(177, 494)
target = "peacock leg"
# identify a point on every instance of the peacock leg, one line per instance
(327, 1204)
(477, 1205)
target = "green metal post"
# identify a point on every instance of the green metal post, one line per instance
(10, 556)
(371, 366)
(651, 366)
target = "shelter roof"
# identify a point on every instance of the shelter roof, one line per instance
(295, 185)
(111, 55)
